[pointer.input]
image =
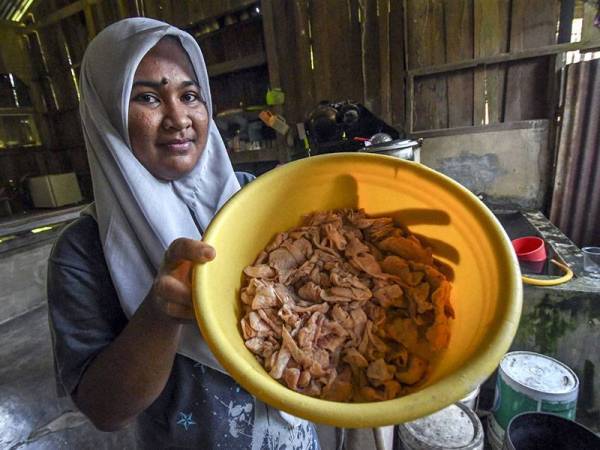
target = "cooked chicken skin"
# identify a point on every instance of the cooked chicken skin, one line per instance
(346, 307)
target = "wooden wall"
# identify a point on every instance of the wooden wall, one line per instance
(48, 61)
(363, 50)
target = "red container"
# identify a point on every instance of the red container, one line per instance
(530, 248)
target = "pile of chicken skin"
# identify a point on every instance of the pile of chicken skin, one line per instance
(347, 307)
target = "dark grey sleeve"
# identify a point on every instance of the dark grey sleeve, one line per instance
(83, 308)
(244, 178)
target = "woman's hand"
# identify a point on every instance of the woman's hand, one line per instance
(122, 380)
(171, 292)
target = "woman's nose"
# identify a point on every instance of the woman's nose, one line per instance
(176, 116)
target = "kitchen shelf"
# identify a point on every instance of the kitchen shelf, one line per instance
(235, 65)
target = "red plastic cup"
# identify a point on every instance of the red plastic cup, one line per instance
(530, 248)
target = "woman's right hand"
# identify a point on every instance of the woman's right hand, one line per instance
(171, 292)
(153, 330)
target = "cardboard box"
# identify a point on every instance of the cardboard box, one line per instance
(52, 191)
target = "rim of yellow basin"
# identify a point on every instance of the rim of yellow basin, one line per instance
(443, 392)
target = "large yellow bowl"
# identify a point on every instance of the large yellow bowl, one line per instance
(487, 291)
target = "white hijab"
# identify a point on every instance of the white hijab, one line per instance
(138, 215)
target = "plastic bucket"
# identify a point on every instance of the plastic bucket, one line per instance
(532, 382)
(494, 440)
(530, 431)
(471, 400)
(454, 427)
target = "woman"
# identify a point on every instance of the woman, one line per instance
(119, 277)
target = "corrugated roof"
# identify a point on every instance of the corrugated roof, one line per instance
(14, 9)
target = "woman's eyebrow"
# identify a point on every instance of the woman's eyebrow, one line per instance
(157, 84)
(189, 83)
(152, 84)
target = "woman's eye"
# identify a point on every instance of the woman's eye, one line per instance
(190, 97)
(146, 98)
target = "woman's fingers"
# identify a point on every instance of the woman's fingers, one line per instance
(180, 312)
(172, 290)
(173, 298)
(184, 249)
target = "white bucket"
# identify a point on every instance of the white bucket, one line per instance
(471, 399)
(456, 427)
(530, 381)
(494, 440)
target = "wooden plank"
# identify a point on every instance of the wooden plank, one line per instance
(491, 38)
(533, 24)
(67, 11)
(385, 83)
(426, 47)
(76, 37)
(547, 50)
(500, 126)
(94, 19)
(182, 13)
(122, 8)
(397, 56)
(270, 43)
(370, 56)
(459, 46)
(245, 62)
(110, 9)
(292, 37)
(53, 53)
(150, 8)
(166, 12)
(12, 25)
(590, 32)
(336, 49)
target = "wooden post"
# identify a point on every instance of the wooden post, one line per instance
(89, 19)
(385, 82)
(122, 9)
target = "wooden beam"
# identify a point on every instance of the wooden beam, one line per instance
(491, 26)
(502, 58)
(65, 12)
(12, 25)
(270, 43)
(122, 7)
(246, 62)
(385, 79)
(16, 27)
(501, 126)
(89, 19)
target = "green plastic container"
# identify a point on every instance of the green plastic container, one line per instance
(529, 381)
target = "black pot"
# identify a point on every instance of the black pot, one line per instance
(537, 431)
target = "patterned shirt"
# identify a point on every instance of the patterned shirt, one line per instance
(198, 408)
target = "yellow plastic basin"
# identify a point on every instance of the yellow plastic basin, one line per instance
(487, 290)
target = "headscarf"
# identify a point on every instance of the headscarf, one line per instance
(138, 215)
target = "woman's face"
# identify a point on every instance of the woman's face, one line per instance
(168, 121)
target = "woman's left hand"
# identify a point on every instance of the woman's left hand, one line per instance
(171, 292)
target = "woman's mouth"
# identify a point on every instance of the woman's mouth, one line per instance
(178, 145)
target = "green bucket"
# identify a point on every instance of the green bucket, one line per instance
(529, 381)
